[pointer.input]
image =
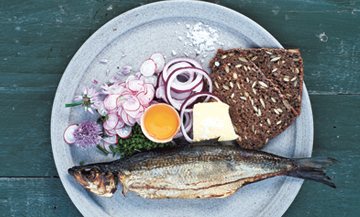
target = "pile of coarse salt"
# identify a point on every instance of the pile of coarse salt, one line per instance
(202, 37)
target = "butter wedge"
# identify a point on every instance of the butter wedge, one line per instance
(212, 120)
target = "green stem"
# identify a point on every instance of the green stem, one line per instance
(101, 149)
(73, 104)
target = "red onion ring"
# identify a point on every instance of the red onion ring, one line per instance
(177, 104)
(187, 125)
(192, 62)
(184, 106)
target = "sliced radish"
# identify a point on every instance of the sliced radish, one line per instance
(130, 77)
(150, 79)
(124, 117)
(159, 61)
(146, 97)
(111, 140)
(111, 122)
(101, 109)
(132, 121)
(135, 85)
(119, 125)
(148, 67)
(110, 133)
(69, 134)
(110, 102)
(137, 113)
(131, 103)
(124, 132)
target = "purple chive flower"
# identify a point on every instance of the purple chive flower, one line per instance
(87, 134)
(126, 70)
(89, 99)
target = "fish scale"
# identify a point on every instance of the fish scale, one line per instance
(209, 169)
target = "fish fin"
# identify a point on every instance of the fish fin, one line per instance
(214, 142)
(229, 143)
(183, 142)
(312, 169)
(124, 191)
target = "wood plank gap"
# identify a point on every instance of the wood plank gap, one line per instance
(29, 177)
(27, 89)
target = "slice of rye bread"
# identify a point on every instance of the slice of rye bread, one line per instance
(258, 110)
(283, 67)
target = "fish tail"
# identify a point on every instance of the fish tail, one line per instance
(312, 169)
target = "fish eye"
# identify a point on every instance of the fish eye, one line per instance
(89, 174)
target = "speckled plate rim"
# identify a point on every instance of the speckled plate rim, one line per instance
(125, 22)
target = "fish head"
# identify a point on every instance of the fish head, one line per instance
(95, 179)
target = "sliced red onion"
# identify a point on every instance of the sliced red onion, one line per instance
(184, 109)
(168, 84)
(194, 63)
(187, 125)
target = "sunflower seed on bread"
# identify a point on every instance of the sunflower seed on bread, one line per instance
(253, 101)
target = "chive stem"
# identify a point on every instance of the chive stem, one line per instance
(101, 149)
(73, 104)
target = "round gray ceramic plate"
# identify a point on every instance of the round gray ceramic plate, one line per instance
(174, 28)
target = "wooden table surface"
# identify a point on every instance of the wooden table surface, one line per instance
(39, 37)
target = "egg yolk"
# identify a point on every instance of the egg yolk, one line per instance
(161, 121)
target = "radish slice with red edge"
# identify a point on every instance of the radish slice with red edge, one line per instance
(110, 102)
(124, 132)
(69, 134)
(168, 83)
(111, 140)
(131, 103)
(150, 80)
(159, 61)
(135, 85)
(119, 125)
(148, 67)
(110, 133)
(111, 122)
(184, 106)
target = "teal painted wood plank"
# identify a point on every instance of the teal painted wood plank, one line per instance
(35, 197)
(330, 67)
(25, 133)
(329, 112)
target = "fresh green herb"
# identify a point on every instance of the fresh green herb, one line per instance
(73, 104)
(136, 142)
(101, 149)
(81, 162)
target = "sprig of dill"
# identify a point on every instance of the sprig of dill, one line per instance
(136, 142)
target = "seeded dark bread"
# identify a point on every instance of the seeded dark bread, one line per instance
(283, 67)
(258, 110)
